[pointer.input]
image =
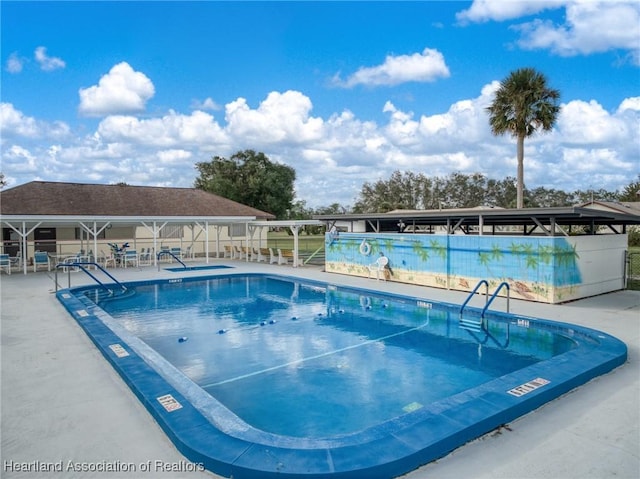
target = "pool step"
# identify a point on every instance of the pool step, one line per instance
(475, 325)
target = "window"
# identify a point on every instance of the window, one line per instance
(172, 232)
(81, 234)
(238, 229)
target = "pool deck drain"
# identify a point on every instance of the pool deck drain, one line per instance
(62, 402)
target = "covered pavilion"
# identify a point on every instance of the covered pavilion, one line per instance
(30, 212)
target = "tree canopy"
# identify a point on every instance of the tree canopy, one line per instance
(523, 104)
(408, 190)
(250, 178)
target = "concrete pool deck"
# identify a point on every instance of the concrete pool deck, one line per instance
(63, 403)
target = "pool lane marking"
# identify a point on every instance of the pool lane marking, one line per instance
(310, 358)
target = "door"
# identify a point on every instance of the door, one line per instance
(45, 239)
(10, 242)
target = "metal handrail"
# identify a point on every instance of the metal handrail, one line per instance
(504, 284)
(170, 254)
(474, 291)
(321, 248)
(81, 265)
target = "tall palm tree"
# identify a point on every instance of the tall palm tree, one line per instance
(523, 104)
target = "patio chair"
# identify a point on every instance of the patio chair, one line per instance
(144, 259)
(5, 263)
(380, 266)
(262, 254)
(107, 260)
(41, 259)
(176, 252)
(284, 255)
(130, 256)
(16, 261)
(69, 260)
(164, 257)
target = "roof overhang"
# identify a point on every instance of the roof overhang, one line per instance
(285, 223)
(566, 216)
(69, 220)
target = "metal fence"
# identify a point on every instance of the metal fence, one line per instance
(633, 270)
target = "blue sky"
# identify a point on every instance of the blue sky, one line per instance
(344, 92)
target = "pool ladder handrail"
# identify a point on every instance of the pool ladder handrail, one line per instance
(488, 300)
(170, 254)
(81, 265)
(474, 291)
(504, 284)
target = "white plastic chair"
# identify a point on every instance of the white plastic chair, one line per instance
(379, 267)
(5, 263)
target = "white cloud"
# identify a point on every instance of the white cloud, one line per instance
(630, 104)
(280, 118)
(332, 156)
(500, 10)
(589, 26)
(46, 62)
(582, 123)
(207, 104)
(427, 66)
(14, 63)
(19, 161)
(175, 156)
(14, 123)
(122, 90)
(171, 130)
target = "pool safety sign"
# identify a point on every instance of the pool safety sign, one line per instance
(169, 402)
(118, 350)
(526, 388)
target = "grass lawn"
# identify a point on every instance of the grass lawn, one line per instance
(308, 244)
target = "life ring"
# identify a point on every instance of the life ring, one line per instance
(365, 248)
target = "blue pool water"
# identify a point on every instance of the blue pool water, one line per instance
(297, 378)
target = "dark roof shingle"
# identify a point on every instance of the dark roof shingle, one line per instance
(81, 199)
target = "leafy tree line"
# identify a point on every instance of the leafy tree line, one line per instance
(408, 190)
(252, 179)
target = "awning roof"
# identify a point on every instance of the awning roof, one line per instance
(528, 217)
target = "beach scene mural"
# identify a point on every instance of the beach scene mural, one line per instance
(548, 269)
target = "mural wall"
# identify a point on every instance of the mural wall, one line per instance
(547, 269)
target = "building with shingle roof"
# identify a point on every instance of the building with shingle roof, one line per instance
(62, 217)
(40, 198)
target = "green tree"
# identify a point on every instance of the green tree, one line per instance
(250, 178)
(403, 190)
(523, 104)
(547, 198)
(631, 192)
(501, 193)
(581, 197)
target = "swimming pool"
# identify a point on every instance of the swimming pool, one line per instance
(253, 375)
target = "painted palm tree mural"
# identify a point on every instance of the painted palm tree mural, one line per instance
(536, 268)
